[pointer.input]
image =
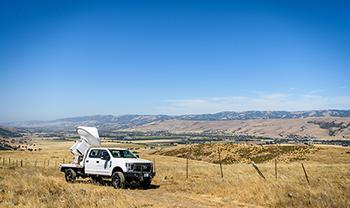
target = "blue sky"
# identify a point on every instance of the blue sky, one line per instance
(70, 58)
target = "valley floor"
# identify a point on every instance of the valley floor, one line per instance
(44, 186)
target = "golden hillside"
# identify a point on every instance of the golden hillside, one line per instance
(240, 153)
(320, 127)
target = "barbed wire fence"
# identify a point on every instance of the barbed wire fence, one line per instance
(40, 163)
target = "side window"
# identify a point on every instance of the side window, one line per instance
(116, 153)
(103, 153)
(94, 153)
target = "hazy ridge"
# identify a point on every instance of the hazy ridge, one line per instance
(326, 124)
(127, 121)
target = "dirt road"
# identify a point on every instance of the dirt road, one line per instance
(161, 195)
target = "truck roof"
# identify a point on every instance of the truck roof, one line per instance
(117, 148)
(112, 148)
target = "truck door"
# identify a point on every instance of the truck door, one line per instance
(92, 161)
(105, 163)
(97, 162)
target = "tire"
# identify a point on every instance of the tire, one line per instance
(145, 184)
(118, 180)
(70, 175)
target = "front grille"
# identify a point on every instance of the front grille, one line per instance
(145, 167)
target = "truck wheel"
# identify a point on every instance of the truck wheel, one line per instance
(70, 175)
(118, 180)
(145, 184)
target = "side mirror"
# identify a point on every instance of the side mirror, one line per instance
(106, 157)
(137, 156)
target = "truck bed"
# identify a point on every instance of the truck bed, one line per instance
(70, 165)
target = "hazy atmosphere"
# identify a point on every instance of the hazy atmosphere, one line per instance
(72, 58)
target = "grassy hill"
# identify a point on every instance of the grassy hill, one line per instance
(238, 153)
(9, 132)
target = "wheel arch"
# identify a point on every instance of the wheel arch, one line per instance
(117, 168)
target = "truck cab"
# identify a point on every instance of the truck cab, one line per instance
(120, 165)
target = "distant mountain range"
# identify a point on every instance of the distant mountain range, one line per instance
(130, 121)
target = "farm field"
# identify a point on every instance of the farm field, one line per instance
(38, 183)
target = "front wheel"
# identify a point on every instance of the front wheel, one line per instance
(70, 175)
(118, 180)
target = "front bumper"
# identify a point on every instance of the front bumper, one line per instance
(139, 176)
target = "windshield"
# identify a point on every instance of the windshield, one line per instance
(122, 153)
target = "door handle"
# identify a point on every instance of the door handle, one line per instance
(97, 161)
(87, 161)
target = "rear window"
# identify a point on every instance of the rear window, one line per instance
(94, 153)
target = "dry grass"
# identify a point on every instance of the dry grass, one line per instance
(30, 187)
(240, 153)
(240, 187)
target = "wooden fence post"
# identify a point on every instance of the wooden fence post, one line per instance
(9, 161)
(36, 162)
(306, 176)
(16, 163)
(63, 161)
(154, 165)
(48, 163)
(221, 172)
(21, 163)
(276, 168)
(257, 170)
(3, 161)
(187, 168)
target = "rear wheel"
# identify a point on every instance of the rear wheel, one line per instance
(118, 180)
(70, 175)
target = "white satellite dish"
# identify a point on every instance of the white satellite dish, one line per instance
(90, 135)
(88, 138)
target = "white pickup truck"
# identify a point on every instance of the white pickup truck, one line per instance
(92, 160)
